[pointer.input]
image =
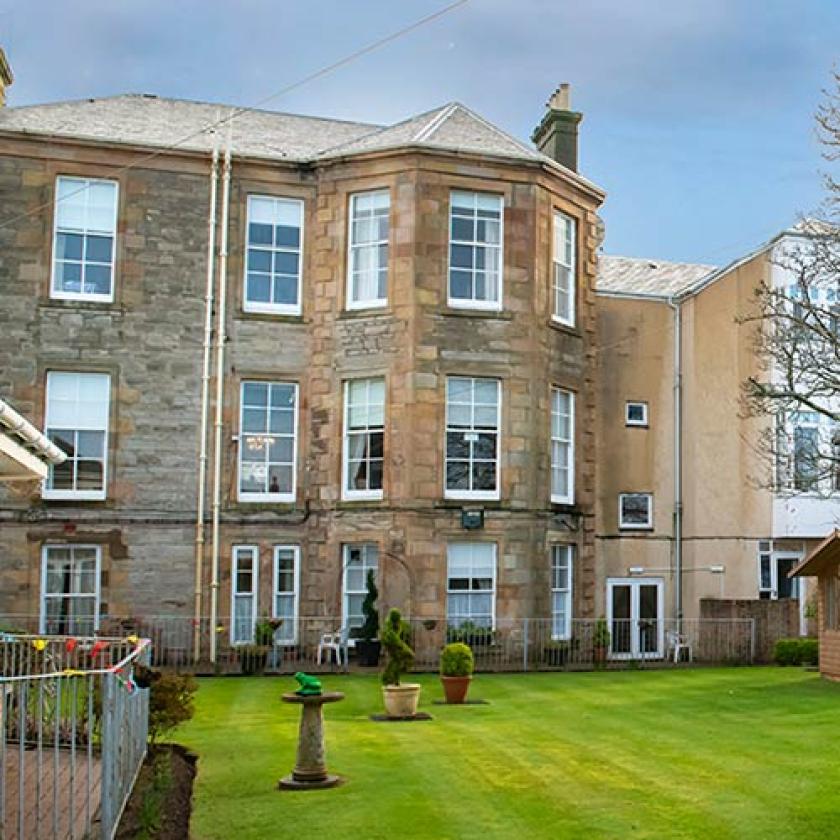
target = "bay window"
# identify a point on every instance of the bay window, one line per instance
(471, 584)
(562, 446)
(473, 420)
(563, 270)
(286, 592)
(364, 431)
(367, 282)
(561, 591)
(475, 250)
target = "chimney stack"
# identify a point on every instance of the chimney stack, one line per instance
(6, 77)
(557, 133)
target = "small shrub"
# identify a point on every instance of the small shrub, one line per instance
(456, 660)
(170, 702)
(601, 636)
(470, 634)
(395, 638)
(265, 629)
(796, 652)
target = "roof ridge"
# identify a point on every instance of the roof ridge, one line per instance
(379, 130)
(155, 97)
(444, 112)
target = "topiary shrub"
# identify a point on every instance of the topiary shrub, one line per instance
(796, 652)
(395, 639)
(370, 629)
(456, 660)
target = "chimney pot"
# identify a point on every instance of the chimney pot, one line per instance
(6, 77)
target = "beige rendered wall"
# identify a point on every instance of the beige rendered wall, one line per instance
(635, 362)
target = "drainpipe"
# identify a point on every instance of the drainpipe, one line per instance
(678, 501)
(220, 378)
(205, 400)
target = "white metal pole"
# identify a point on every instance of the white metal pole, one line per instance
(220, 380)
(205, 400)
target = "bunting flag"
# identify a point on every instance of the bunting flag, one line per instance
(98, 648)
(70, 645)
(39, 644)
(132, 639)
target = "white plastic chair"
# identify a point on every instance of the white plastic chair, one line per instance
(336, 642)
(677, 644)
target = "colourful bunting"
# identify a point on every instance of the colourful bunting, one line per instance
(39, 644)
(70, 645)
(98, 648)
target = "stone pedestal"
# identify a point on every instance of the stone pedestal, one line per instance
(310, 771)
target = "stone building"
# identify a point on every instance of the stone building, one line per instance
(406, 365)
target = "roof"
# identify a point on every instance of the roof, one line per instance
(148, 120)
(826, 554)
(647, 278)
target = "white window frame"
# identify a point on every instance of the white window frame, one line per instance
(571, 229)
(78, 495)
(255, 590)
(97, 593)
(569, 551)
(474, 303)
(635, 526)
(767, 551)
(346, 548)
(628, 421)
(274, 308)
(495, 578)
(487, 495)
(295, 549)
(346, 491)
(569, 497)
(372, 303)
(281, 497)
(58, 294)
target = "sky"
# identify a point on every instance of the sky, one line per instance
(698, 114)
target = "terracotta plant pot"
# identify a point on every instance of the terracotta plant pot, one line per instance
(401, 700)
(455, 688)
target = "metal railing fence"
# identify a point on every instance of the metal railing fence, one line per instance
(73, 730)
(513, 644)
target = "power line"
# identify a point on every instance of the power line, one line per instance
(238, 111)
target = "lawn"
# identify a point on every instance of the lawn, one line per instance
(720, 753)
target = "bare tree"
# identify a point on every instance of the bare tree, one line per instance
(797, 336)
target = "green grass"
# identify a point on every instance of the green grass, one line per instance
(722, 753)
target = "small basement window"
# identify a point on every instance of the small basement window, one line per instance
(635, 511)
(636, 413)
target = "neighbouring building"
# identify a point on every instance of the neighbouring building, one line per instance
(347, 347)
(690, 513)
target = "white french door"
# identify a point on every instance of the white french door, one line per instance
(635, 618)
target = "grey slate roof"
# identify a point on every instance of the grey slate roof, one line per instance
(152, 121)
(148, 120)
(653, 278)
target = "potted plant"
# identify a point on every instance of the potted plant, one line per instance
(600, 642)
(470, 633)
(456, 668)
(253, 657)
(557, 652)
(400, 698)
(368, 647)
